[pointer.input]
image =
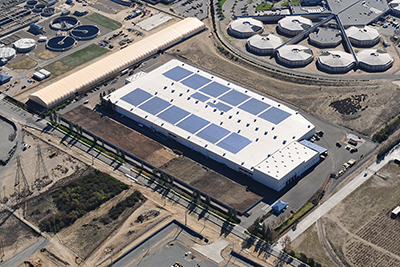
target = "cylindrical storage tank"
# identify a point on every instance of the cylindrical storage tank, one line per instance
(294, 55)
(263, 44)
(245, 27)
(24, 45)
(64, 23)
(363, 37)
(293, 25)
(52, 2)
(336, 61)
(7, 53)
(374, 60)
(48, 12)
(85, 32)
(31, 3)
(39, 8)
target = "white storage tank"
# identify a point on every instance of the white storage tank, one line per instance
(24, 45)
(374, 60)
(42, 39)
(336, 61)
(245, 27)
(293, 25)
(294, 55)
(7, 53)
(363, 37)
(263, 44)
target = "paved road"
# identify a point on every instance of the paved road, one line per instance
(32, 249)
(340, 195)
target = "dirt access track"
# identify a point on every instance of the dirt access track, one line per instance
(364, 106)
(195, 174)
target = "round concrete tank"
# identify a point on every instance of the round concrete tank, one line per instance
(39, 8)
(48, 11)
(31, 3)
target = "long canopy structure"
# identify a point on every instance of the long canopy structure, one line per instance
(110, 65)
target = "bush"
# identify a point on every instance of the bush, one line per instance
(80, 197)
(386, 131)
(128, 202)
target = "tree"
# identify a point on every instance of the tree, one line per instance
(94, 139)
(232, 213)
(51, 117)
(303, 257)
(122, 154)
(71, 126)
(207, 200)
(286, 244)
(311, 262)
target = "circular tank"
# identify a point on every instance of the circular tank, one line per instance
(39, 8)
(64, 23)
(85, 32)
(31, 3)
(24, 45)
(60, 43)
(48, 11)
(7, 53)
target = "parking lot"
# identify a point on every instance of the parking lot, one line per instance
(190, 8)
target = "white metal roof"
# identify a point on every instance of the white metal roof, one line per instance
(7, 52)
(24, 43)
(295, 23)
(246, 25)
(374, 57)
(98, 71)
(365, 33)
(295, 53)
(264, 41)
(268, 126)
(282, 162)
(336, 59)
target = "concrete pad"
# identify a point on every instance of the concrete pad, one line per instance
(213, 250)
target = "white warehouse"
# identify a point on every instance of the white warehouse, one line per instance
(242, 129)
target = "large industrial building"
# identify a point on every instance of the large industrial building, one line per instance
(293, 25)
(66, 88)
(294, 55)
(336, 61)
(374, 60)
(263, 44)
(230, 124)
(363, 36)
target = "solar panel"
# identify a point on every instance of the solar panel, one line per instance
(254, 106)
(136, 97)
(275, 115)
(234, 97)
(177, 73)
(200, 97)
(215, 89)
(234, 143)
(192, 124)
(154, 105)
(221, 106)
(195, 81)
(213, 133)
(173, 114)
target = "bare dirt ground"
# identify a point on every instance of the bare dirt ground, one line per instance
(359, 228)
(14, 234)
(58, 166)
(211, 183)
(376, 108)
(46, 54)
(121, 136)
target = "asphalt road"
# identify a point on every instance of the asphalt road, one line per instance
(32, 249)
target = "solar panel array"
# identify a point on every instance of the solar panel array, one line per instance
(214, 94)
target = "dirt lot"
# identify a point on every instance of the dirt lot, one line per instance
(359, 228)
(14, 235)
(211, 183)
(120, 135)
(377, 105)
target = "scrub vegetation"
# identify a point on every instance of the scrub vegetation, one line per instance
(104, 21)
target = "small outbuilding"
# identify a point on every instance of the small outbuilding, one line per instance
(293, 25)
(279, 206)
(245, 27)
(4, 78)
(363, 37)
(325, 37)
(374, 60)
(294, 55)
(264, 44)
(39, 76)
(336, 61)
